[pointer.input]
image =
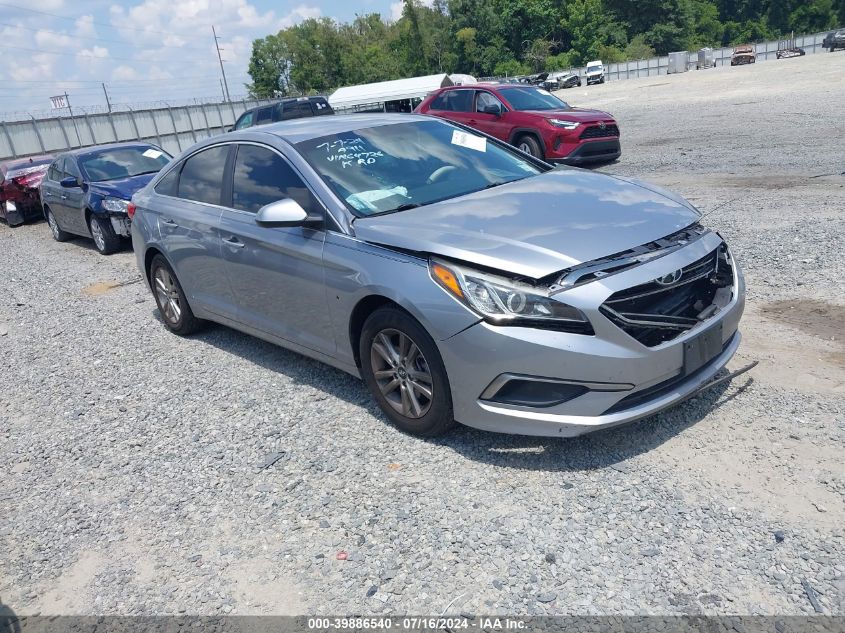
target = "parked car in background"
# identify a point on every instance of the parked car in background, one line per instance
(562, 79)
(834, 40)
(532, 119)
(87, 191)
(594, 72)
(19, 180)
(461, 279)
(294, 108)
(743, 55)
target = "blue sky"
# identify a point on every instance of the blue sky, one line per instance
(143, 50)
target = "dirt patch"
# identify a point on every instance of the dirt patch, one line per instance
(100, 288)
(817, 318)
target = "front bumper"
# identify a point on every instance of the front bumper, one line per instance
(643, 380)
(591, 152)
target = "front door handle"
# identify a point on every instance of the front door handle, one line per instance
(48, 194)
(169, 223)
(234, 242)
(64, 197)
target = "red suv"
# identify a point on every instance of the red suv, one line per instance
(532, 119)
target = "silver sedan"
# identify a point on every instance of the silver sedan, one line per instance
(460, 278)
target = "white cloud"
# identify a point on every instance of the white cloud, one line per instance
(300, 13)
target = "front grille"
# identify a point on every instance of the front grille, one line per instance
(596, 131)
(661, 310)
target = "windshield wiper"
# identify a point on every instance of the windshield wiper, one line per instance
(404, 207)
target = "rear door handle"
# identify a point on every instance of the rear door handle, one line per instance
(234, 242)
(170, 223)
(48, 194)
(64, 197)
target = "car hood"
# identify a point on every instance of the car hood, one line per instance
(574, 114)
(536, 226)
(121, 187)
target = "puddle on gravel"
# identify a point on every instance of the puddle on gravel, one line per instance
(818, 318)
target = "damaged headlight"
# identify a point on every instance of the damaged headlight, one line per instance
(503, 301)
(115, 205)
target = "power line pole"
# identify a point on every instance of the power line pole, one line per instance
(223, 92)
(108, 104)
(220, 59)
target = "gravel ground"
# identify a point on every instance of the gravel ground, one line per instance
(136, 475)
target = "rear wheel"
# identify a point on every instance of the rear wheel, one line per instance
(402, 368)
(105, 239)
(170, 299)
(529, 145)
(58, 234)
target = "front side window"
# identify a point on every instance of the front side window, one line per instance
(404, 165)
(202, 176)
(55, 172)
(486, 99)
(245, 121)
(262, 176)
(122, 162)
(71, 170)
(530, 98)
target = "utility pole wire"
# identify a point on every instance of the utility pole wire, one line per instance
(220, 59)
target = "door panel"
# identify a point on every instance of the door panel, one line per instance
(74, 199)
(276, 273)
(496, 126)
(190, 231)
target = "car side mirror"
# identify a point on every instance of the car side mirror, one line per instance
(69, 183)
(284, 212)
(493, 108)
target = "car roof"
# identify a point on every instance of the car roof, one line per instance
(307, 128)
(84, 151)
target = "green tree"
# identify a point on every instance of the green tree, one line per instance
(637, 48)
(269, 67)
(588, 27)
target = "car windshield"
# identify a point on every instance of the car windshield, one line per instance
(123, 162)
(405, 165)
(593, 67)
(524, 98)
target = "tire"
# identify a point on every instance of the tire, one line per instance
(171, 300)
(105, 239)
(529, 145)
(58, 234)
(404, 371)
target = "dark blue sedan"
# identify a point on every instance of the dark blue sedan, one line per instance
(87, 191)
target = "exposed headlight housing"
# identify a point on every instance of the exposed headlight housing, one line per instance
(566, 125)
(115, 205)
(503, 301)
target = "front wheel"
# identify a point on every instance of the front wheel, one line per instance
(529, 145)
(105, 239)
(404, 371)
(170, 299)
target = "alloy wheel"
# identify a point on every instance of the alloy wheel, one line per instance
(97, 234)
(167, 293)
(402, 373)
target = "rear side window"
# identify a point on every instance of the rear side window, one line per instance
(54, 173)
(321, 106)
(295, 110)
(202, 176)
(245, 121)
(454, 101)
(169, 185)
(264, 115)
(262, 176)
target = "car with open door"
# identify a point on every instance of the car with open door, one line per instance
(86, 191)
(462, 279)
